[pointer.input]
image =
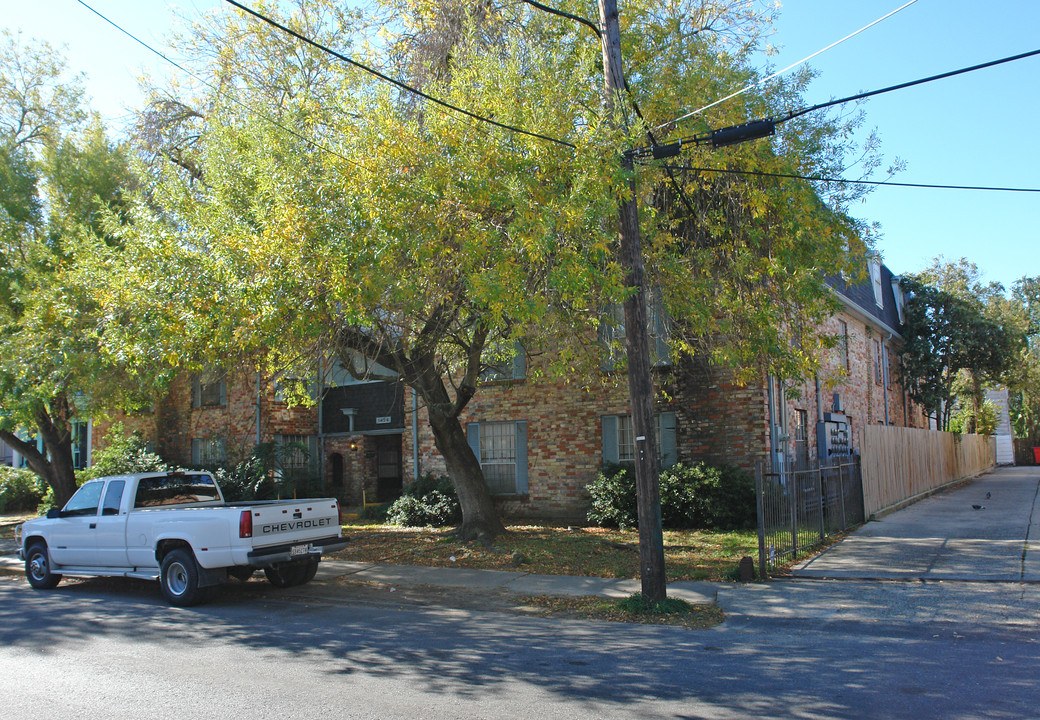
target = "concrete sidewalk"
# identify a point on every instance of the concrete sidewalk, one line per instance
(986, 530)
(700, 593)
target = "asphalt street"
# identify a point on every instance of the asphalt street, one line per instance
(875, 627)
(111, 648)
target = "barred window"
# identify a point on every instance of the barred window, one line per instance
(501, 449)
(207, 452)
(297, 453)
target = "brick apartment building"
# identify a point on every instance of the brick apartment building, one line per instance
(540, 441)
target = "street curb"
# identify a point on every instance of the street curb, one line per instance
(521, 583)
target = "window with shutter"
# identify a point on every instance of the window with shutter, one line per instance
(501, 449)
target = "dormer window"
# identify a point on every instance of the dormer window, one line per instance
(874, 265)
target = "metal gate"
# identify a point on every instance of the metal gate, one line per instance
(798, 509)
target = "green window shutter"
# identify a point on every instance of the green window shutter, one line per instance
(473, 436)
(610, 443)
(223, 392)
(196, 392)
(521, 457)
(669, 450)
(519, 362)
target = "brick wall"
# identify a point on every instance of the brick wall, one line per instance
(717, 420)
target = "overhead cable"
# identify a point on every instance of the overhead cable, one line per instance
(901, 86)
(392, 81)
(767, 126)
(211, 86)
(844, 181)
(781, 72)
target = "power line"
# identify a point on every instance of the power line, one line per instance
(767, 126)
(844, 181)
(781, 72)
(860, 96)
(213, 87)
(569, 16)
(396, 83)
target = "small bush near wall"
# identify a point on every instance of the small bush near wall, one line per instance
(20, 490)
(613, 498)
(694, 495)
(428, 501)
(122, 455)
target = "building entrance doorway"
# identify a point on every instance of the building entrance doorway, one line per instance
(389, 478)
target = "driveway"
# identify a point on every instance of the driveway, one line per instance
(986, 530)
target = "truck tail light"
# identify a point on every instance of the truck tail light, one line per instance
(245, 524)
(339, 511)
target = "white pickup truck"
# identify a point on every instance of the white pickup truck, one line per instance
(177, 528)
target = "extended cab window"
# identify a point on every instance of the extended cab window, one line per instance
(85, 501)
(113, 495)
(175, 490)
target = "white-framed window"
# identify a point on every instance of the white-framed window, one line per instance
(619, 444)
(80, 444)
(875, 280)
(207, 452)
(208, 390)
(501, 449)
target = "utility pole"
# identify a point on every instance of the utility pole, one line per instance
(640, 383)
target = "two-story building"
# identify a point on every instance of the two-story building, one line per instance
(541, 441)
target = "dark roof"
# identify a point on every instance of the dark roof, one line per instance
(861, 294)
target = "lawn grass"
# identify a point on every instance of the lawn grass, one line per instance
(9, 522)
(631, 609)
(554, 550)
(540, 549)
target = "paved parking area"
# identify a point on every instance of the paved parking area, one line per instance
(986, 530)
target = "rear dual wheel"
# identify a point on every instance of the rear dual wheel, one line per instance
(291, 574)
(179, 579)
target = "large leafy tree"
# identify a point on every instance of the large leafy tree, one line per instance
(59, 176)
(1024, 378)
(296, 203)
(957, 338)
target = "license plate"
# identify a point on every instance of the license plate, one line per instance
(299, 550)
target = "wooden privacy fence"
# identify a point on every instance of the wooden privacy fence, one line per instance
(901, 463)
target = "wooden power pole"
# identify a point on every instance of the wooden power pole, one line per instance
(640, 383)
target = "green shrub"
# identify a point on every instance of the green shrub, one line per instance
(614, 498)
(376, 512)
(428, 501)
(251, 479)
(707, 497)
(20, 490)
(692, 496)
(122, 455)
(985, 424)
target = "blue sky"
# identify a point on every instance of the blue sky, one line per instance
(976, 129)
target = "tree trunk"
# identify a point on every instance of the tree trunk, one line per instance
(54, 464)
(480, 520)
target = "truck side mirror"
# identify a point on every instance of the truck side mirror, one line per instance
(54, 513)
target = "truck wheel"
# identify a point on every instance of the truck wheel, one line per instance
(286, 574)
(38, 568)
(309, 573)
(179, 579)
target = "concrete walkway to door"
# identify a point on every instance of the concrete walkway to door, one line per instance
(986, 530)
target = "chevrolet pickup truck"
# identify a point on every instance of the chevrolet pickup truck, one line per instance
(176, 527)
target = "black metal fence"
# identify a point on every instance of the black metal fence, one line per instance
(798, 509)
